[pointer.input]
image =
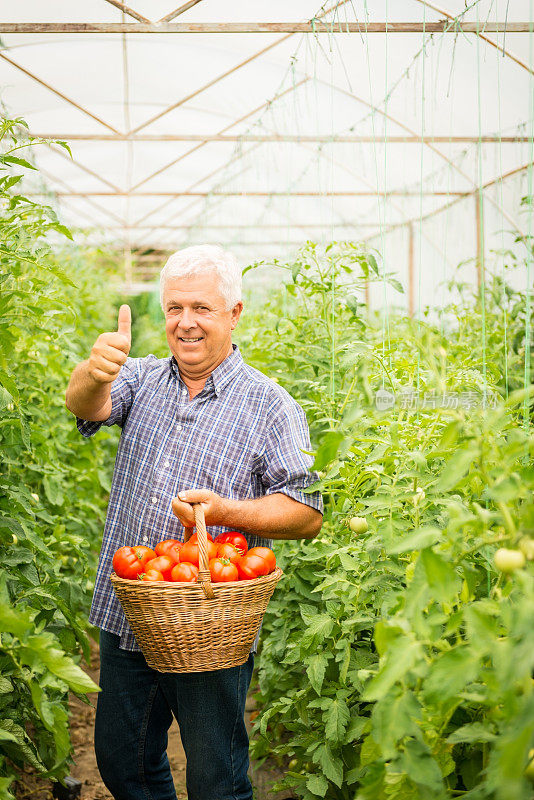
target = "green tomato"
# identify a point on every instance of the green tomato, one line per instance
(509, 560)
(293, 763)
(529, 770)
(358, 525)
(527, 548)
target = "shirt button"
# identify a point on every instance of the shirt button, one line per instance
(145, 538)
(178, 427)
(167, 464)
(154, 499)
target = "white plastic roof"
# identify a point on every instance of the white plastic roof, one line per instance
(453, 96)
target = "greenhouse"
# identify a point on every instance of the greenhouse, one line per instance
(275, 541)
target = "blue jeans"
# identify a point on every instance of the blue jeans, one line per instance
(135, 709)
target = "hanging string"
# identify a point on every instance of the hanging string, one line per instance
(332, 257)
(530, 206)
(480, 228)
(377, 177)
(385, 314)
(500, 192)
(421, 173)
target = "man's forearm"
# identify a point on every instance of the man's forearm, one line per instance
(86, 398)
(275, 516)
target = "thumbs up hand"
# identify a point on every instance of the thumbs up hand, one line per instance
(110, 350)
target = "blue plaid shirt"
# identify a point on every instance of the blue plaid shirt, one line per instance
(242, 437)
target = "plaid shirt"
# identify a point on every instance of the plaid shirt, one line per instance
(242, 437)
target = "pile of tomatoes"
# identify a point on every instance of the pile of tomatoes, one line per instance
(172, 560)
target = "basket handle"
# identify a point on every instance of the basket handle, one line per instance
(204, 577)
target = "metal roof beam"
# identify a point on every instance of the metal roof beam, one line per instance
(246, 193)
(58, 93)
(177, 11)
(315, 27)
(501, 29)
(493, 138)
(130, 11)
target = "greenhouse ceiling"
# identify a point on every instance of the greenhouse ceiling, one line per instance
(260, 126)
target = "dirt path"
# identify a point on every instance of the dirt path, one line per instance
(32, 787)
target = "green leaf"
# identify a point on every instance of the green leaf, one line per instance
(8, 382)
(449, 674)
(21, 748)
(5, 685)
(320, 625)
(328, 450)
(317, 785)
(473, 732)
(21, 162)
(481, 627)
(442, 579)
(337, 717)
(456, 467)
(395, 717)
(316, 668)
(420, 767)
(332, 765)
(39, 651)
(396, 284)
(400, 657)
(53, 491)
(418, 540)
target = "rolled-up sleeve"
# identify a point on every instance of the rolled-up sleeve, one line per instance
(123, 391)
(287, 469)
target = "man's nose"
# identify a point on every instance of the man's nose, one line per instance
(187, 319)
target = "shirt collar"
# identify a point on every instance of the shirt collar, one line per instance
(221, 375)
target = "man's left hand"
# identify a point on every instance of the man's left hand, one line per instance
(213, 505)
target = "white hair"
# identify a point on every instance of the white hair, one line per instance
(201, 260)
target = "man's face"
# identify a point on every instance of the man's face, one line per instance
(198, 326)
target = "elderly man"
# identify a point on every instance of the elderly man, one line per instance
(200, 426)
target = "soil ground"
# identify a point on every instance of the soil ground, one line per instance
(33, 787)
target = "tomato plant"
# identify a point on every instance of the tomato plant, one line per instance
(54, 485)
(397, 662)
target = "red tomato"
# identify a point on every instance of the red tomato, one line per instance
(266, 553)
(162, 548)
(194, 537)
(229, 551)
(150, 575)
(184, 573)
(146, 552)
(174, 552)
(235, 538)
(189, 552)
(128, 562)
(223, 571)
(251, 566)
(163, 564)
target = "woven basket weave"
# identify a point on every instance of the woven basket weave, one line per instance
(195, 627)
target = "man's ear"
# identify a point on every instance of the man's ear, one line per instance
(236, 313)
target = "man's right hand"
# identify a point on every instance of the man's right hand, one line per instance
(110, 350)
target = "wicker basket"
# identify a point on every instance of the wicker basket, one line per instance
(195, 627)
